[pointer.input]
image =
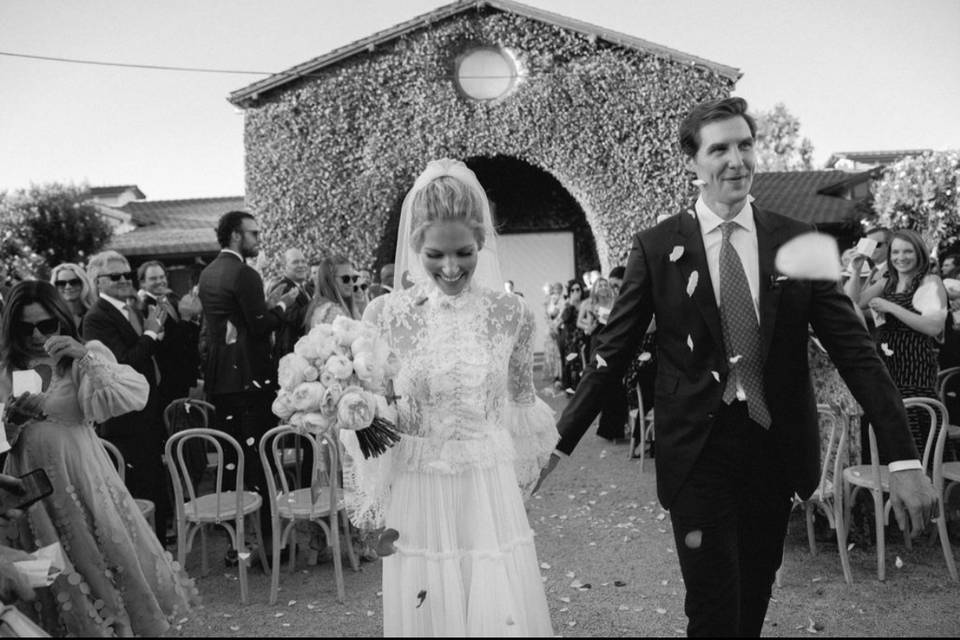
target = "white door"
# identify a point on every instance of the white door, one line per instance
(532, 261)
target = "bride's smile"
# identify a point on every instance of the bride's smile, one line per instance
(449, 255)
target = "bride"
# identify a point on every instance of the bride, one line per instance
(474, 434)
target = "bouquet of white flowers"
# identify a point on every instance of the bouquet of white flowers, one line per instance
(341, 375)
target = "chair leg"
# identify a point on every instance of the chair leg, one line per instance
(808, 507)
(351, 555)
(945, 543)
(182, 544)
(292, 546)
(881, 542)
(204, 561)
(241, 546)
(334, 543)
(841, 529)
(275, 565)
(261, 549)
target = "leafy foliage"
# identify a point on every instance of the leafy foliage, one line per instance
(779, 146)
(922, 193)
(328, 157)
(48, 225)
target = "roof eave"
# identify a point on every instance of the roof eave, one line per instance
(246, 96)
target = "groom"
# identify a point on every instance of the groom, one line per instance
(736, 419)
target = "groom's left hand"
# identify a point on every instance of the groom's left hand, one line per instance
(913, 500)
(547, 470)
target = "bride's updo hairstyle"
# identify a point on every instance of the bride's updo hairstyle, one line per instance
(446, 199)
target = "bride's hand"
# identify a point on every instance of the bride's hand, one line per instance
(547, 470)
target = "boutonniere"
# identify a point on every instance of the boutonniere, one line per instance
(676, 254)
(777, 281)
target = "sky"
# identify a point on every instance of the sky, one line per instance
(861, 75)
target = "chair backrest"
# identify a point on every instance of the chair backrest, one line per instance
(117, 458)
(937, 413)
(186, 408)
(948, 389)
(832, 459)
(215, 440)
(275, 447)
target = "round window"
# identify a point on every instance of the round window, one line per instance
(486, 74)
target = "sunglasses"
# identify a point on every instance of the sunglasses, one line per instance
(117, 277)
(362, 287)
(47, 327)
(572, 289)
(73, 282)
(349, 279)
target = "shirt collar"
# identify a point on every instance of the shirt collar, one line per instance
(232, 252)
(143, 293)
(710, 221)
(119, 304)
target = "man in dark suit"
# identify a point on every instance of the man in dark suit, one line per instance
(179, 359)
(736, 420)
(239, 373)
(134, 340)
(295, 274)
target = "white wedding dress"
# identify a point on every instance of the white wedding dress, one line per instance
(473, 433)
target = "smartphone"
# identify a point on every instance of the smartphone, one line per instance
(36, 486)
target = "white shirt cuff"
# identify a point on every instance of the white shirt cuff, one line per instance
(904, 465)
(561, 453)
(152, 334)
(282, 305)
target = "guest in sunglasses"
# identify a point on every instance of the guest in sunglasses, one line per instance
(333, 291)
(134, 340)
(119, 580)
(75, 290)
(571, 338)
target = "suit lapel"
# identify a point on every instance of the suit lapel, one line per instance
(768, 242)
(694, 259)
(118, 318)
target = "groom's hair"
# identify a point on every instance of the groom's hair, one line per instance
(446, 199)
(707, 112)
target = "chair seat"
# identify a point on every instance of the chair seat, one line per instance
(862, 476)
(296, 504)
(951, 471)
(204, 508)
(953, 431)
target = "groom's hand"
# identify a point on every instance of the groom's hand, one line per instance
(913, 499)
(547, 470)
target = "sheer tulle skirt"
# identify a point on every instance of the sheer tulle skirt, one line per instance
(119, 580)
(466, 563)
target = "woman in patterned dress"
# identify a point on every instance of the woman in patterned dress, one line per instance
(906, 337)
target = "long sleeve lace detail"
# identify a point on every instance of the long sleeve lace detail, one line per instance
(466, 394)
(107, 389)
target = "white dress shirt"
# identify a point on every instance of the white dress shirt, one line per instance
(744, 241)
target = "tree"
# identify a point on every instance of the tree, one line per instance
(778, 145)
(54, 222)
(18, 261)
(922, 193)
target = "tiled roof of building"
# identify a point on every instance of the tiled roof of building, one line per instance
(802, 195)
(243, 96)
(173, 227)
(115, 190)
(874, 157)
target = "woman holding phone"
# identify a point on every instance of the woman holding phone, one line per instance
(118, 580)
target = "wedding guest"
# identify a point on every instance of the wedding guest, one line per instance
(240, 375)
(133, 340)
(616, 279)
(571, 338)
(552, 307)
(333, 291)
(295, 275)
(594, 312)
(736, 421)
(119, 580)
(361, 291)
(385, 285)
(179, 359)
(72, 285)
(907, 337)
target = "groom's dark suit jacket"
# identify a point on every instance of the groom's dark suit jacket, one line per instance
(693, 368)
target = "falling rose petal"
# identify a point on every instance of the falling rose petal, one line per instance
(572, 623)
(229, 417)
(735, 359)
(544, 565)
(565, 600)
(887, 351)
(256, 384)
(250, 442)
(231, 466)
(661, 610)
(601, 363)
(291, 603)
(244, 555)
(677, 253)
(716, 375)
(234, 627)
(646, 355)
(182, 620)
(693, 214)
(741, 394)
(898, 563)
(369, 613)
(623, 607)
(810, 256)
(851, 546)
(690, 342)
(692, 282)
(564, 609)
(421, 596)
(278, 614)
(576, 584)
(661, 516)
(571, 574)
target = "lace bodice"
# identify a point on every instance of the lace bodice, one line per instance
(463, 357)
